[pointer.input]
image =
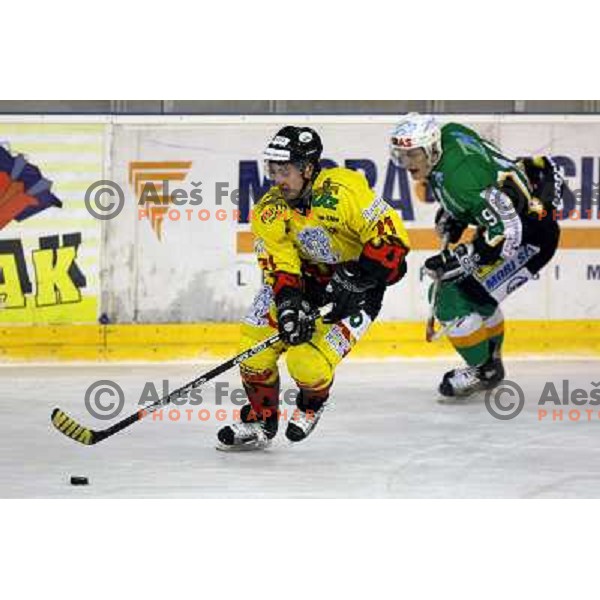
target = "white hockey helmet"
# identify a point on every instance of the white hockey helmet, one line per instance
(416, 131)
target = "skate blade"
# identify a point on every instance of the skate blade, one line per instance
(250, 447)
(475, 397)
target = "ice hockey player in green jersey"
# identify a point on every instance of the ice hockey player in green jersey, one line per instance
(511, 206)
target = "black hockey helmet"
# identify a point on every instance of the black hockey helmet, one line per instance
(298, 145)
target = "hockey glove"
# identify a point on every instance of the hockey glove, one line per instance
(447, 225)
(295, 318)
(348, 290)
(451, 265)
(547, 183)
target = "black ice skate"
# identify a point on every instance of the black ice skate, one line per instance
(464, 381)
(251, 433)
(305, 419)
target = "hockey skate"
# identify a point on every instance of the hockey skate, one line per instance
(251, 433)
(465, 381)
(305, 419)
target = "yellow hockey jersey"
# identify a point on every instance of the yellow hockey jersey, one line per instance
(345, 216)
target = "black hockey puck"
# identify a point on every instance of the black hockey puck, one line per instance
(79, 480)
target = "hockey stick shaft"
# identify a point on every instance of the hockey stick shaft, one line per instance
(430, 333)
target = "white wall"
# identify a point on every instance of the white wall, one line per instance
(192, 271)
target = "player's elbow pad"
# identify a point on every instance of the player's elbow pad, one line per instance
(505, 210)
(384, 259)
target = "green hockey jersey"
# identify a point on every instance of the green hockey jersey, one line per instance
(468, 181)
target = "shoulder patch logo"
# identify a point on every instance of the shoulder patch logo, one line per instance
(272, 212)
(377, 209)
(325, 201)
(325, 196)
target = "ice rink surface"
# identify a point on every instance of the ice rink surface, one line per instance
(383, 436)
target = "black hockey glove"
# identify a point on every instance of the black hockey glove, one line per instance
(451, 265)
(348, 291)
(295, 318)
(546, 181)
(447, 225)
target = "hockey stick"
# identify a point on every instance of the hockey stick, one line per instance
(431, 335)
(71, 428)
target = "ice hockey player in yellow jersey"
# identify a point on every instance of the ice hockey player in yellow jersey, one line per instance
(321, 237)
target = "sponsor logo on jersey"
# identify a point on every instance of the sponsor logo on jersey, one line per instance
(357, 324)
(316, 244)
(330, 218)
(259, 311)
(515, 283)
(376, 210)
(337, 341)
(272, 212)
(325, 196)
(325, 201)
(507, 269)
